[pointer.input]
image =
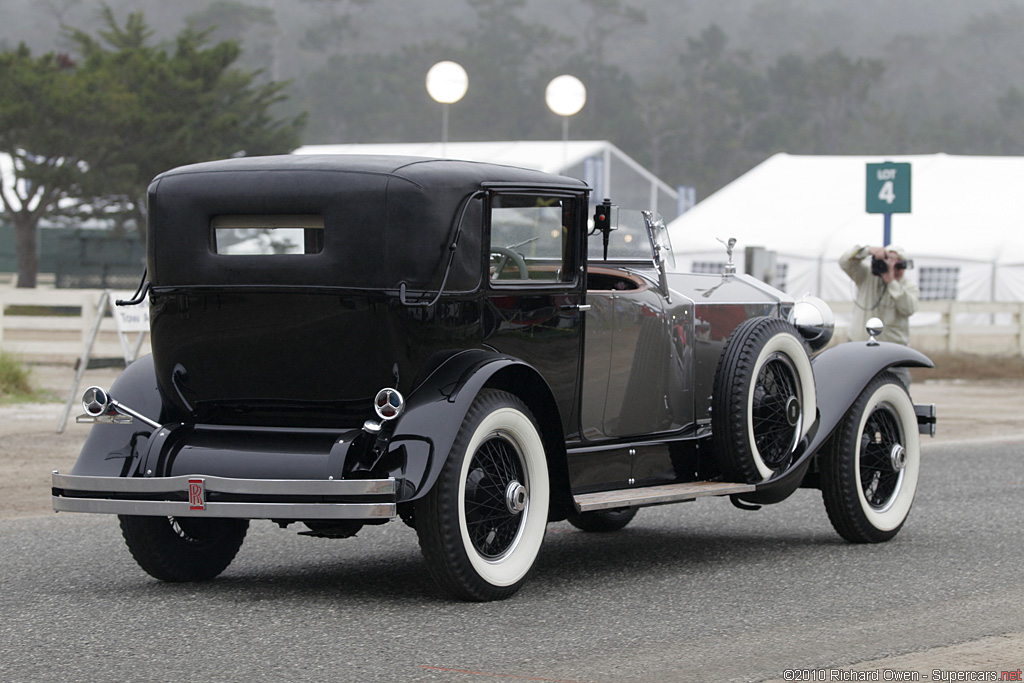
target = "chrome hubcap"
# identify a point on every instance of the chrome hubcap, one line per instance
(516, 497)
(898, 457)
(793, 411)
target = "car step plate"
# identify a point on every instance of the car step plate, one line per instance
(655, 495)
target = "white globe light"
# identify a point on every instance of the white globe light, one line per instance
(447, 82)
(565, 95)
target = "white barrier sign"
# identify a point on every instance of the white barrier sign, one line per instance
(130, 318)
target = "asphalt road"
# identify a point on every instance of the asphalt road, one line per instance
(692, 592)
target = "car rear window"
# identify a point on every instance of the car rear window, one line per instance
(266, 235)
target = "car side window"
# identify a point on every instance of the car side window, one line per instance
(531, 238)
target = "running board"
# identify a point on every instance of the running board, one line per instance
(656, 495)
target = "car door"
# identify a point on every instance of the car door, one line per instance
(535, 286)
(633, 340)
(637, 372)
(629, 351)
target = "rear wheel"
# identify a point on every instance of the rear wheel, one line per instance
(183, 548)
(602, 520)
(869, 475)
(482, 524)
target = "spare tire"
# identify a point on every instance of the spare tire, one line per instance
(764, 400)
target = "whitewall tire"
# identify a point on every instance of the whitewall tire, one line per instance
(869, 475)
(482, 524)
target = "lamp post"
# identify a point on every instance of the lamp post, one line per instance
(447, 82)
(565, 96)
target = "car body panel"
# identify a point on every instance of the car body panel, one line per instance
(436, 279)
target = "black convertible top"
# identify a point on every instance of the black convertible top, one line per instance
(386, 219)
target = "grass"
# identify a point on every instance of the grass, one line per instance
(49, 311)
(14, 379)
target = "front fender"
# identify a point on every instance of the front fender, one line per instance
(842, 372)
(840, 375)
(110, 449)
(435, 411)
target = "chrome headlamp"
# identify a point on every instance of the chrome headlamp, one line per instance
(815, 321)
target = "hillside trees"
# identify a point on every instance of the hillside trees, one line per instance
(54, 122)
(240, 22)
(702, 115)
(698, 102)
(100, 128)
(510, 58)
(719, 113)
(334, 26)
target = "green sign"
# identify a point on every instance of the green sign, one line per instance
(888, 188)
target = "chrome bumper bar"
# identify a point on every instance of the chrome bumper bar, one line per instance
(188, 496)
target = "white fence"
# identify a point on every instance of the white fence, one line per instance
(970, 326)
(981, 327)
(46, 325)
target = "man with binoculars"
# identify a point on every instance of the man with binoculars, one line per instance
(882, 292)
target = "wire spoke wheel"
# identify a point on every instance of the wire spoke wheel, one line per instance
(880, 475)
(776, 428)
(482, 523)
(869, 474)
(193, 531)
(493, 492)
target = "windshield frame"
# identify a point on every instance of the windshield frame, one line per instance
(636, 237)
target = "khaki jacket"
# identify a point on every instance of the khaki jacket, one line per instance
(893, 303)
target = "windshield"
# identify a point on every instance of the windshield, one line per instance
(659, 236)
(635, 236)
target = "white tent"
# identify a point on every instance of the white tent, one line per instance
(965, 232)
(600, 164)
(7, 175)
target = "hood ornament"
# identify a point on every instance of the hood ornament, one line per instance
(730, 267)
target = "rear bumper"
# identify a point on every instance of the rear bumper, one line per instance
(209, 496)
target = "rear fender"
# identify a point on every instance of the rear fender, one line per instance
(420, 439)
(840, 375)
(426, 431)
(111, 450)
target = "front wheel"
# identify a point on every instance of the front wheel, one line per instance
(481, 525)
(183, 548)
(869, 475)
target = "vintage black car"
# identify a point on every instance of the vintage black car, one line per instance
(340, 341)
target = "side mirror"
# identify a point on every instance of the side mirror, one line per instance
(605, 221)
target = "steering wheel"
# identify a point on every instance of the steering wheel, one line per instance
(506, 255)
